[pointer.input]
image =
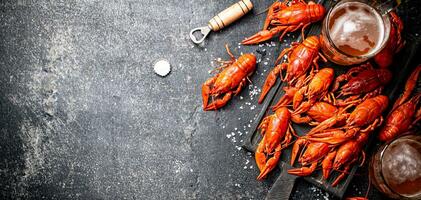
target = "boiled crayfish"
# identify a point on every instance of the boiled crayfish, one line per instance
(361, 80)
(301, 56)
(284, 18)
(329, 156)
(277, 133)
(314, 91)
(318, 112)
(313, 153)
(405, 113)
(346, 155)
(229, 81)
(364, 118)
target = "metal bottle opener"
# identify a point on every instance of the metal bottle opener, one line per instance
(223, 19)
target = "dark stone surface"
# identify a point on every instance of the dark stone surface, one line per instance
(83, 116)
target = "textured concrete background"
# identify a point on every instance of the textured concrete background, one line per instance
(83, 116)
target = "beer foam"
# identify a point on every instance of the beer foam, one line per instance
(357, 26)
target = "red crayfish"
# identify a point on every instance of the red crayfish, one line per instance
(361, 80)
(230, 80)
(276, 130)
(318, 112)
(314, 91)
(364, 118)
(282, 17)
(311, 156)
(404, 113)
(346, 155)
(300, 57)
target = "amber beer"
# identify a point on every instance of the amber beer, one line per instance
(353, 32)
(395, 169)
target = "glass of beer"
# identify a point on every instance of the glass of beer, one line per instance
(353, 31)
(395, 169)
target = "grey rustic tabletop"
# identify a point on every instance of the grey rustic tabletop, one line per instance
(83, 116)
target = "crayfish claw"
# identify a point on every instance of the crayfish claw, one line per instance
(262, 36)
(303, 171)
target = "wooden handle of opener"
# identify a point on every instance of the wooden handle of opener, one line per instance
(230, 14)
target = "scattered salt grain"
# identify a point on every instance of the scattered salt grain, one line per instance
(228, 136)
(253, 107)
(235, 129)
(223, 126)
(251, 166)
(241, 107)
(247, 162)
(241, 97)
(265, 63)
(162, 68)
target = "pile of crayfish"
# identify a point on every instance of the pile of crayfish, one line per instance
(342, 110)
